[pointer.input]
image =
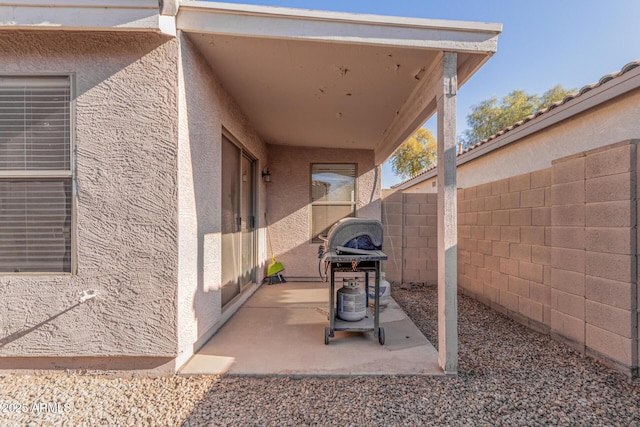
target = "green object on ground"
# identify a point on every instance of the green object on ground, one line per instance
(275, 267)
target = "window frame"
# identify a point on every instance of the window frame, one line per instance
(312, 203)
(69, 174)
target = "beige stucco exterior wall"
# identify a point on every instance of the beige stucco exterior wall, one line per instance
(127, 205)
(615, 120)
(288, 205)
(205, 110)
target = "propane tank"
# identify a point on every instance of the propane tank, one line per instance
(385, 291)
(352, 299)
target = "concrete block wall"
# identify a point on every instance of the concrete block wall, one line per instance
(555, 249)
(410, 237)
(420, 244)
(504, 246)
(594, 256)
(393, 219)
(568, 253)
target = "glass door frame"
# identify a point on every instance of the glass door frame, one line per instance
(253, 162)
(244, 154)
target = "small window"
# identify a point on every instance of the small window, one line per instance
(35, 175)
(333, 195)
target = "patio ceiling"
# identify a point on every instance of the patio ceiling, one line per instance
(324, 79)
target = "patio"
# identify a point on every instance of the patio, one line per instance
(280, 331)
(510, 375)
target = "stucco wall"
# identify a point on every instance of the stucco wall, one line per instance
(205, 109)
(126, 139)
(615, 120)
(288, 205)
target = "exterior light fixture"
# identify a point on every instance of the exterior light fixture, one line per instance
(266, 175)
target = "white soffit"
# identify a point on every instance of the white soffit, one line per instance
(81, 15)
(336, 80)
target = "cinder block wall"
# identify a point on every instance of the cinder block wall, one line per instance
(555, 249)
(504, 246)
(594, 261)
(393, 219)
(420, 232)
(410, 237)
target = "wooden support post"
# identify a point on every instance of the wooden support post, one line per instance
(447, 217)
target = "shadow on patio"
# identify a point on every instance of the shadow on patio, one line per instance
(280, 331)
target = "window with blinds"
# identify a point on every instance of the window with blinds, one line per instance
(333, 190)
(35, 175)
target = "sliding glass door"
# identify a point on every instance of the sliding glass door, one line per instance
(238, 220)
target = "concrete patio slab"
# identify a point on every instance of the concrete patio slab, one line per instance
(280, 331)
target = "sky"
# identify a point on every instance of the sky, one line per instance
(543, 42)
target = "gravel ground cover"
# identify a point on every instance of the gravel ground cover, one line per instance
(509, 375)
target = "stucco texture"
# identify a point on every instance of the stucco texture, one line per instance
(205, 110)
(612, 121)
(289, 193)
(126, 150)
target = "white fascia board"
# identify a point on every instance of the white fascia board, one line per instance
(83, 15)
(619, 86)
(129, 4)
(246, 9)
(274, 22)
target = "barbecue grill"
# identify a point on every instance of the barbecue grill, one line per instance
(354, 245)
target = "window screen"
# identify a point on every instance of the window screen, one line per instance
(333, 189)
(35, 174)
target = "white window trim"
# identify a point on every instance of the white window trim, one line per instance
(353, 203)
(56, 174)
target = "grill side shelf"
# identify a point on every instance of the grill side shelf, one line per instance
(333, 256)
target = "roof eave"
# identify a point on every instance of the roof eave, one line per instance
(477, 40)
(275, 22)
(614, 88)
(421, 106)
(88, 15)
(273, 12)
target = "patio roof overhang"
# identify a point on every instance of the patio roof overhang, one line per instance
(336, 80)
(303, 78)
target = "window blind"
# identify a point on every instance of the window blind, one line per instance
(35, 174)
(34, 124)
(333, 188)
(35, 226)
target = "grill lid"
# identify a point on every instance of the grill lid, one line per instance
(357, 233)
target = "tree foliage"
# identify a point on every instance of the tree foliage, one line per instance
(553, 95)
(415, 155)
(492, 115)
